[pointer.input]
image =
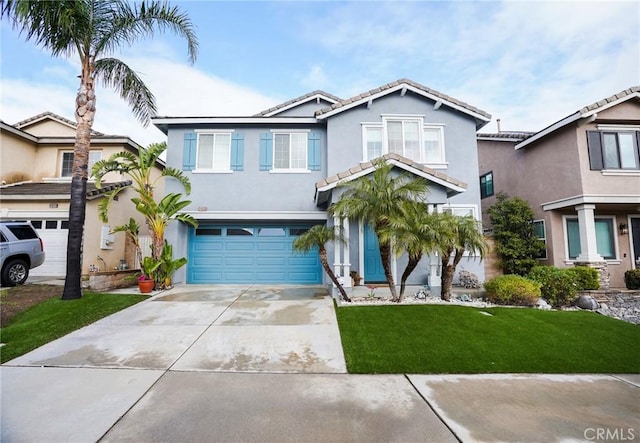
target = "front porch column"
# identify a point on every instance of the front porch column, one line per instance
(337, 264)
(587, 229)
(346, 262)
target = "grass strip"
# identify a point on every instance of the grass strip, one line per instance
(54, 318)
(439, 339)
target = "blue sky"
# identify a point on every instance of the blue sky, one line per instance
(527, 63)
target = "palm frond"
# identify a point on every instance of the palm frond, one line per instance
(178, 175)
(117, 75)
(135, 21)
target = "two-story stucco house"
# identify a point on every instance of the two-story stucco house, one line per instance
(35, 171)
(581, 176)
(260, 181)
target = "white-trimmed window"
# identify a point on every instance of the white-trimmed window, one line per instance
(462, 211)
(66, 162)
(605, 237)
(407, 136)
(290, 151)
(213, 151)
(540, 232)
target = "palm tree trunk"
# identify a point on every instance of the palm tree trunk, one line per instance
(411, 265)
(332, 276)
(385, 256)
(85, 112)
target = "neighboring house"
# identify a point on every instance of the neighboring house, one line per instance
(260, 181)
(581, 176)
(35, 171)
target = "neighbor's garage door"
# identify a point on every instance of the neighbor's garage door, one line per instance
(250, 254)
(54, 238)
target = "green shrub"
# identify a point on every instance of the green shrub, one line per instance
(585, 277)
(558, 286)
(632, 279)
(512, 290)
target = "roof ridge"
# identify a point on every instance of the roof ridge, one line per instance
(52, 115)
(297, 99)
(611, 98)
(399, 82)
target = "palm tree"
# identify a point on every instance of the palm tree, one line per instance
(317, 237)
(377, 199)
(455, 235)
(93, 30)
(159, 215)
(412, 233)
(139, 168)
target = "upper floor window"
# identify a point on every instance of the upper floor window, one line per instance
(213, 152)
(486, 185)
(614, 149)
(290, 151)
(67, 162)
(405, 136)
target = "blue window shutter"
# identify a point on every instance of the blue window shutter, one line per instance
(189, 151)
(314, 155)
(266, 151)
(237, 151)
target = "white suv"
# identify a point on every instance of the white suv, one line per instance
(20, 250)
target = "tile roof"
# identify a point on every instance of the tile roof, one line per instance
(293, 101)
(392, 85)
(53, 116)
(362, 167)
(48, 189)
(611, 99)
(515, 135)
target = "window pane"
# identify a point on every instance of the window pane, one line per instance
(394, 133)
(23, 232)
(412, 141)
(627, 152)
(573, 238)
(64, 224)
(239, 231)
(295, 232)
(94, 156)
(604, 238)
(486, 185)
(432, 149)
(222, 151)
(271, 232)
(281, 151)
(36, 224)
(538, 228)
(205, 151)
(208, 231)
(610, 151)
(51, 224)
(299, 151)
(374, 143)
(67, 164)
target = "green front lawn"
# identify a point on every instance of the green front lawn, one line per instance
(437, 339)
(54, 318)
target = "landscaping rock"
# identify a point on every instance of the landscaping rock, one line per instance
(542, 304)
(587, 302)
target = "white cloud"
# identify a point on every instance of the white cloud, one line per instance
(180, 90)
(315, 78)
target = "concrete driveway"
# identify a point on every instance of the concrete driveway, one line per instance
(265, 364)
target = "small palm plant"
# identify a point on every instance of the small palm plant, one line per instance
(317, 237)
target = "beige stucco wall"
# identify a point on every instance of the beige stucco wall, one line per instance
(17, 157)
(49, 128)
(595, 182)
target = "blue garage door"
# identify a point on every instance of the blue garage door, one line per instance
(250, 254)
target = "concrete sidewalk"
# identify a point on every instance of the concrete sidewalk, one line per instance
(265, 364)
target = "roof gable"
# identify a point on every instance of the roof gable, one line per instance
(402, 86)
(317, 96)
(589, 111)
(452, 185)
(30, 123)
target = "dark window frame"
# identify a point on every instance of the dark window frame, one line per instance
(484, 191)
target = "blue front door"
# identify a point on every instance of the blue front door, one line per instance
(373, 270)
